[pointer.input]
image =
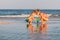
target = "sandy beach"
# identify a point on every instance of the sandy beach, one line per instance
(15, 29)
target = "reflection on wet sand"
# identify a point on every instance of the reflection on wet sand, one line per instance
(39, 32)
(30, 27)
(6, 22)
(43, 28)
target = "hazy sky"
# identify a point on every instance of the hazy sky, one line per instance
(29, 4)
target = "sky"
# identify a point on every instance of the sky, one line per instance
(29, 4)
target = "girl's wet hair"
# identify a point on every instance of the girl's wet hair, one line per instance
(33, 11)
(37, 10)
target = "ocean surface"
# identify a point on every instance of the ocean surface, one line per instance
(25, 11)
(16, 29)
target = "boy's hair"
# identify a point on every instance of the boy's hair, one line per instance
(33, 11)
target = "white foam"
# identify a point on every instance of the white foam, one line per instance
(23, 15)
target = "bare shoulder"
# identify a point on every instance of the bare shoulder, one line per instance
(44, 13)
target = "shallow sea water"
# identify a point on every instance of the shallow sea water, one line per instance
(18, 30)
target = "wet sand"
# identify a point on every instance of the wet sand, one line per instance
(16, 29)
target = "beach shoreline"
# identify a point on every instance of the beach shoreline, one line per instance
(23, 15)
